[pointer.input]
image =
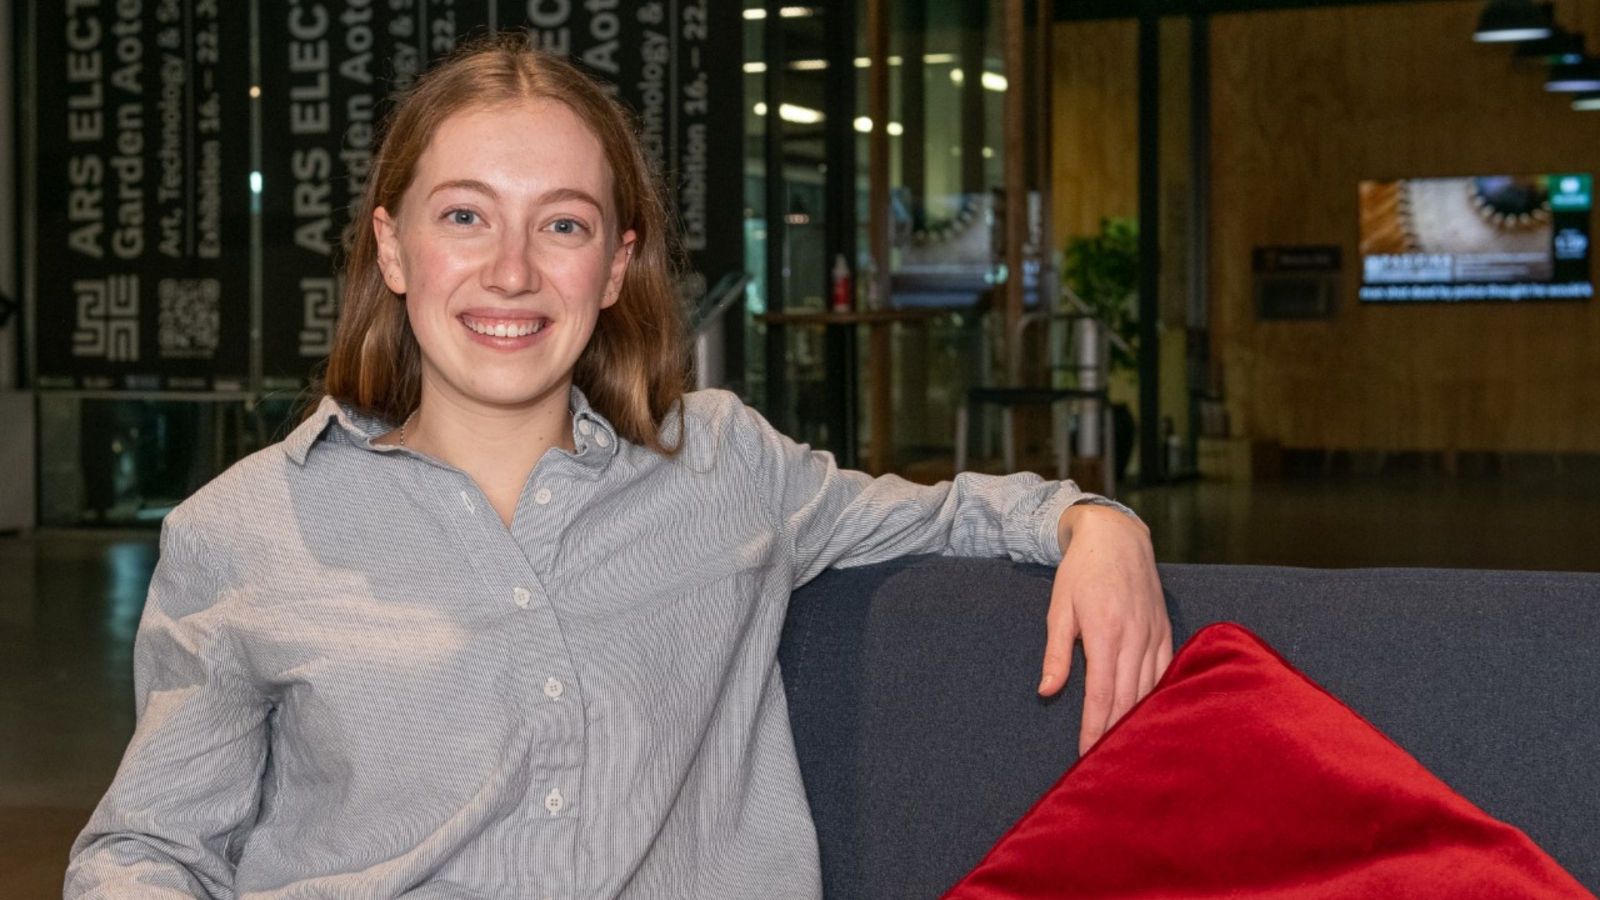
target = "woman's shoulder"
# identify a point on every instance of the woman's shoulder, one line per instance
(707, 427)
(719, 416)
(307, 457)
(245, 489)
(710, 407)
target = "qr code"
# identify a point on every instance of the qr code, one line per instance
(191, 317)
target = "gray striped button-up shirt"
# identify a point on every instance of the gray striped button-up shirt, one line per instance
(352, 680)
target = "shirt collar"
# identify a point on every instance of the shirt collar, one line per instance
(592, 434)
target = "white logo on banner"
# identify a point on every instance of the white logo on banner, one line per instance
(108, 318)
(321, 299)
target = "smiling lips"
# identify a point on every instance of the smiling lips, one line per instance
(503, 327)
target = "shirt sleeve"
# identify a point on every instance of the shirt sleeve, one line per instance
(187, 791)
(839, 518)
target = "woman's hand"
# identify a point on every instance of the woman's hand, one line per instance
(1107, 591)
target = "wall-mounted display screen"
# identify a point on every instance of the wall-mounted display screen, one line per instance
(1488, 237)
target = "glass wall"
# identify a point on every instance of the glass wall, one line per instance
(945, 166)
(791, 82)
(1127, 157)
(869, 345)
(906, 205)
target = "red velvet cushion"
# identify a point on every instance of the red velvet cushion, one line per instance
(1240, 777)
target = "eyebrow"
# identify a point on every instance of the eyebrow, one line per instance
(554, 195)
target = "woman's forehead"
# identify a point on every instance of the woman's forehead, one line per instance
(532, 145)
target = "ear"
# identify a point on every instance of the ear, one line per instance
(619, 268)
(387, 232)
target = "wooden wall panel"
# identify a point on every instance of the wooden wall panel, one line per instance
(1095, 123)
(1305, 105)
(1095, 107)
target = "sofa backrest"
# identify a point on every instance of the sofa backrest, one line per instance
(911, 694)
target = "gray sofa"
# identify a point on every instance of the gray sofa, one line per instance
(911, 693)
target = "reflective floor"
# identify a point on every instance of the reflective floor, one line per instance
(70, 601)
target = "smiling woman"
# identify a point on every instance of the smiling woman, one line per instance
(520, 131)
(504, 273)
(500, 618)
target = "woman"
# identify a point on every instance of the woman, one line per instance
(500, 618)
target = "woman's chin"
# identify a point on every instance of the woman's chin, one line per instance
(515, 396)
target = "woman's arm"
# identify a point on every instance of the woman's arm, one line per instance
(836, 518)
(1106, 592)
(187, 791)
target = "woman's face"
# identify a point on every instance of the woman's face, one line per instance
(505, 250)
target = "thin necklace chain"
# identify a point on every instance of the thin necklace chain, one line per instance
(403, 427)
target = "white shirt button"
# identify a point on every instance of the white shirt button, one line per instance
(554, 802)
(585, 427)
(466, 500)
(541, 496)
(521, 596)
(601, 439)
(553, 688)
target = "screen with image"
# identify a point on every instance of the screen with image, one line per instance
(1487, 237)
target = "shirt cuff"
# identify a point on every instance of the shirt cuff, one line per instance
(1067, 496)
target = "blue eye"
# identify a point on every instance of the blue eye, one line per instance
(462, 217)
(567, 226)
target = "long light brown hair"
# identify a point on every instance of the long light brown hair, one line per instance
(635, 367)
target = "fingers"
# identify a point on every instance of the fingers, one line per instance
(1157, 657)
(1120, 673)
(1148, 671)
(1099, 691)
(1130, 666)
(1061, 630)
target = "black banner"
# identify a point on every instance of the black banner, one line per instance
(326, 71)
(328, 66)
(677, 64)
(142, 195)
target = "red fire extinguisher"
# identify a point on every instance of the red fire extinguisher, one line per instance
(843, 292)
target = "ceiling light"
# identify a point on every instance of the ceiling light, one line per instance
(800, 115)
(788, 12)
(1578, 76)
(863, 62)
(1505, 21)
(864, 125)
(1586, 102)
(1561, 47)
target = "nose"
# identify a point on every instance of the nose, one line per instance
(512, 269)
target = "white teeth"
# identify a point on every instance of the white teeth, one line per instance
(506, 329)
